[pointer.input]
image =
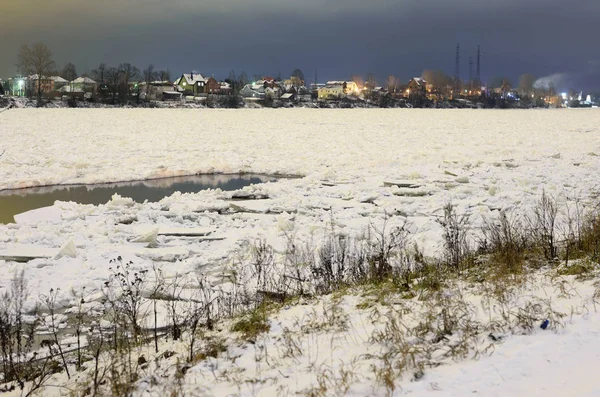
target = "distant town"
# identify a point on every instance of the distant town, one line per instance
(42, 83)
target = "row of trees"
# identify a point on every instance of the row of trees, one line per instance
(113, 80)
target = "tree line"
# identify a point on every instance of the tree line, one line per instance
(114, 81)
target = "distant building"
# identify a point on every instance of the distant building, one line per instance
(197, 85)
(59, 82)
(416, 86)
(294, 81)
(159, 91)
(332, 91)
(191, 84)
(288, 97)
(225, 88)
(350, 87)
(84, 84)
(261, 89)
(70, 91)
(33, 83)
(253, 91)
(212, 86)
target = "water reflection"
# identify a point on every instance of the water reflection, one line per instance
(20, 200)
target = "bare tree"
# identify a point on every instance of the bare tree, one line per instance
(36, 59)
(112, 78)
(165, 75)
(69, 72)
(100, 73)
(371, 81)
(149, 76)
(128, 72)
(233, 81)
(392, 84)
(242, 79)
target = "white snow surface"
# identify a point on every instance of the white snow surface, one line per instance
(553, 362)
(481, 161)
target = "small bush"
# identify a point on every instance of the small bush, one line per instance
(506, 241)
(455, 236)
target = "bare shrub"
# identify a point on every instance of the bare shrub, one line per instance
(124, 290)
(387, 246)
(543, 224)
(50, 303)
(590, 236)
(456, 247)
(15, 337)
(506, 241)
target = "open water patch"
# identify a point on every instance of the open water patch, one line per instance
(16, 201)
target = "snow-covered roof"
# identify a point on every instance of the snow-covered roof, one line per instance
(333, 85)
(58, 79)
(191, 79)
(158, 83)
(419, 80)
(339, 82)
(84, 80)
(34, 77)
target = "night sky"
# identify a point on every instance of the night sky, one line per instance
(339, 38)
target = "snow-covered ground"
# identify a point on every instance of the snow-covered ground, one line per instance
(333, 345)
(357, 165)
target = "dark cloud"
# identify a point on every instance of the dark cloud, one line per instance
(336, 37)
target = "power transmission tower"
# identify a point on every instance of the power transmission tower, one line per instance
(457, 68)
(471, 72)
(478, 72)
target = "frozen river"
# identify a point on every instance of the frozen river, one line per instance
(357, 165)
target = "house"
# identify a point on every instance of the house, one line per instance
(293, 81)
(70, 91)
(58, 82)
(416, 86)
(253, 91)
(212, 86)
(172, 96)
(194, 84)
(191, 84)
(288, 97)
(226, 88)
(260, 90)
(159, 90)
(84, 84)
(332, 91)
(268, 80)
(350, 87)
(32, 83)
